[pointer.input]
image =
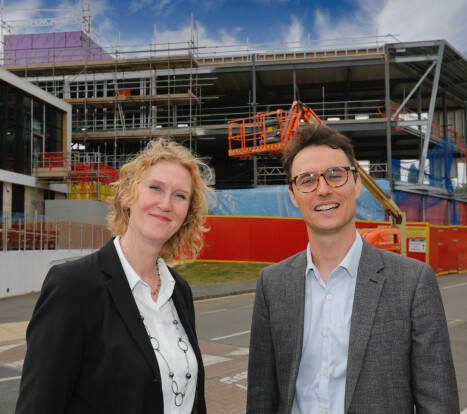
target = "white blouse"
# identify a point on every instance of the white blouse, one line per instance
(158, 318)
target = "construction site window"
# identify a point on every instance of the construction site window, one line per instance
(49, 195)
(38, 117)
(99, 89)
(27, 134)
(17, 199)
(53, 130)
(81, 90)
(73, 91)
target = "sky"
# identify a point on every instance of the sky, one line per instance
(218, 23)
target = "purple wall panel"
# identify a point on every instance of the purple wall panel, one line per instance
(52, 48)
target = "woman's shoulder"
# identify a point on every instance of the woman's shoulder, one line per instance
(83, 271)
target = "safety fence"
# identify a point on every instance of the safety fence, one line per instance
(271, 239)
(87, 174)
(30, 233)
(242, 239)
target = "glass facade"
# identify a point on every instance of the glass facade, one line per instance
(28, 127)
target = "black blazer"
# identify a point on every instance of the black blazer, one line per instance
(87, 348)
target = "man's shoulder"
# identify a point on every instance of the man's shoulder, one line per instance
(297, 261)
(396, 264)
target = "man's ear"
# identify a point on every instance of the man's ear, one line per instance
(292, 197)
(358, 186)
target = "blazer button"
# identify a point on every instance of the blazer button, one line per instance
(155, 380)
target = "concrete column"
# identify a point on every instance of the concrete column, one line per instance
(7, 197)
(33, 200)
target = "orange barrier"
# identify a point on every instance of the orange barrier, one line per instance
(272, 239)
(448, 249)
(253, 239)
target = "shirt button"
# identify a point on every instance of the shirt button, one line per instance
(324, 372)
(328, 296)
(323, 411)
(325, 333)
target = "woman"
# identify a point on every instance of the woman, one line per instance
(114, 331)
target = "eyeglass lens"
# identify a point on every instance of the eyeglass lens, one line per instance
(334, 177)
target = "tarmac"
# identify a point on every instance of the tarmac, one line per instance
(225, 366)
(16, 311)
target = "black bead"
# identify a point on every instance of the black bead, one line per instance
(188, 375)
(171, 374)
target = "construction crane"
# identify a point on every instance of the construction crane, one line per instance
(269, 133)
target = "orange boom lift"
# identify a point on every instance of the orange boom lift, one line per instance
(269, 133)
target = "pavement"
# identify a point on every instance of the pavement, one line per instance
(225, 366)
(16, 311)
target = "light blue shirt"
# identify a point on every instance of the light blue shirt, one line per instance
(320, 386)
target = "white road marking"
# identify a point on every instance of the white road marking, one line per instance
(213, 359)
(18, 365)
(213, 311)
(238, 377)
(10, 379)
(230, 336)
(224, 297)
(455, 322)
(8, 347)
(240, 351)
(449, 287)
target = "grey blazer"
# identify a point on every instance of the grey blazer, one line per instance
(399, 351)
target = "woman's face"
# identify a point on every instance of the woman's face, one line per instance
(162, 204)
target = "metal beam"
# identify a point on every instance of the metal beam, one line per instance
(290, 66)
(51, 21)
(412, 91)
(431, 110)
(388, 116)
(411, 123)
(411, 45)
(407, 59)
(253, 82)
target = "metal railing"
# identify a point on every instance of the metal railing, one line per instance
(36, 232)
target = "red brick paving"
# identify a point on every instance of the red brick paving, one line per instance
(225, 381)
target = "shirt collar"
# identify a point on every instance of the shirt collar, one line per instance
(167, 281)
(350, 262)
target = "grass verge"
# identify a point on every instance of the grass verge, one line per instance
(203, 273)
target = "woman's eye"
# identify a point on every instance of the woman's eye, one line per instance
(181, 196)
(155, 187)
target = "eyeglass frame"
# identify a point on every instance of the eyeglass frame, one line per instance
(347, 169)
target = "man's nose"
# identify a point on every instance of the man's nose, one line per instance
(322, 187)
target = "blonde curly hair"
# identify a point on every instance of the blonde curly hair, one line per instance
(187, 242)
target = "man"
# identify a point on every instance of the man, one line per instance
(344, 327)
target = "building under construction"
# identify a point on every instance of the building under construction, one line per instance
(402, 104)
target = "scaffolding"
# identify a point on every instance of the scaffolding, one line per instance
(124, 96)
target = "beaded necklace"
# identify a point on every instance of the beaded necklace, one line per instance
(183, 346)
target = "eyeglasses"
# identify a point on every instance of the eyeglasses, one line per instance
(334, 177)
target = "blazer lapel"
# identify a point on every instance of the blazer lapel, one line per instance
(183, 313)
(294, 292)
(122, 296)
(367, 293)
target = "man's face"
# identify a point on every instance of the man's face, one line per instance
(326, 210)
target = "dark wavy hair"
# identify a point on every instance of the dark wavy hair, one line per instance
(315, 135)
